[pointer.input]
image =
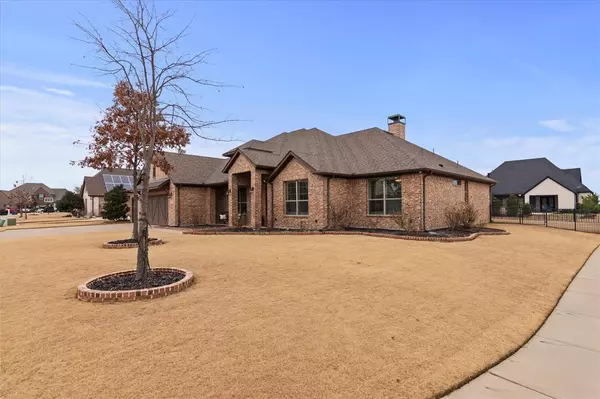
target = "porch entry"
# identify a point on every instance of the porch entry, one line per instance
(543, 203)
(242, 205)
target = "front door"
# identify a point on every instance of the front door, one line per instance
(242, 205)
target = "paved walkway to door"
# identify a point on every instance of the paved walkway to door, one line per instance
(562, 360)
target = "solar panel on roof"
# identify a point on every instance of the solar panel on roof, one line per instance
(111, 181)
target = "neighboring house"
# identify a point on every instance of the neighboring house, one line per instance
(4, 200)
(94, 187)
(539, 183)
(193, 192)
(302, 178)
(41, 194)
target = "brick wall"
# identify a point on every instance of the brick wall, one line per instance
(317, 210)
(441, 194)
(479, 196)
(194, 206)
(353, 194)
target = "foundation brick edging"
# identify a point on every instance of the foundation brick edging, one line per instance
(108, 245)
(358, 233)
(89, 295)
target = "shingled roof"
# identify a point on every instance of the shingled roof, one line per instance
(95, 184)
(195, 169)
(362, 153)
(520, 176)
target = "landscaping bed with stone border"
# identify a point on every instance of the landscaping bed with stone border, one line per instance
(122, 287)
(130, 243)
(442, 235)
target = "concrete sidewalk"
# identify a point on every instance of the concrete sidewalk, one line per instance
(562, 360)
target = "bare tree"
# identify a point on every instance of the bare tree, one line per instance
(137, 51)
(21, 195)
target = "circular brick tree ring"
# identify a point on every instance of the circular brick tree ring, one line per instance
(87, 294)
(129, 244)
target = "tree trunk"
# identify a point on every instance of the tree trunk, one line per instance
(143, 263)
(134, 207)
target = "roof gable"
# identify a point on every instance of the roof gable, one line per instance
(189, 169)
(366, 152)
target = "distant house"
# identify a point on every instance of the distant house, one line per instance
(307, 178)
(540, 183)
(94, 187)
(4, 200)
(41, 194)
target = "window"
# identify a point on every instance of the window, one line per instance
(296, 197)
(41, 196)
(385, 196)
(48, 199)
(456, 182)
(242, 200)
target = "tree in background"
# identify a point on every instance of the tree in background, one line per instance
(21, 196)
(512, 205)
(139, 54)
(496, 206)
(115, 204)
(69, 202)
(117, 141)
(590, 203)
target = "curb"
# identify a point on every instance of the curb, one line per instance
(89, 295)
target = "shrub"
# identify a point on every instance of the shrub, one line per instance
(512, 205)
(463, 216)
(526, 209)
(496, 206)
(340, 216)
(115, 204)
(405, 222)
(590, 203)
(69, 202)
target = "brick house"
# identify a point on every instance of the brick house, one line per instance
(306, 178)
(303, 178)
(41, 194)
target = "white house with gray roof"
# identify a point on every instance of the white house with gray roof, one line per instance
(540, 183)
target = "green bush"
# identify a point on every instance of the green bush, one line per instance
(496, 206)
(526, 209)
(115, 204)
(512, 205)
(590, 203)
(69, 202)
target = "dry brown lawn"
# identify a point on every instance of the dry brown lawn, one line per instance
(278, 316)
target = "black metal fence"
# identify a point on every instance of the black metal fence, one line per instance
(568, 219)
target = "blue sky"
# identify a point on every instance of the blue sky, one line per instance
(479, 82)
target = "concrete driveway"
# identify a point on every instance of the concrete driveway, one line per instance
(56, 231)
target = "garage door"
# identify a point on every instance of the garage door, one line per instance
(157, 210)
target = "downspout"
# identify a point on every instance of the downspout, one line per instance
(425, 201)
(328, 201)
(177, 205)
(272, 221)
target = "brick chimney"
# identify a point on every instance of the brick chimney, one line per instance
(397, 125)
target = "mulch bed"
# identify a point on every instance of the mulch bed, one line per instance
(129, 241)
(430, 233)
(156, 278)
